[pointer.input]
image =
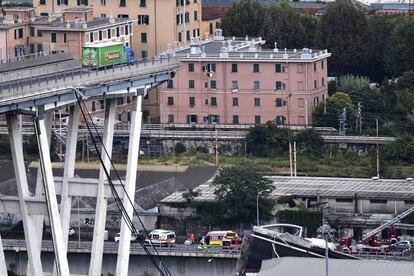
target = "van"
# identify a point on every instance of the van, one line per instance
(222, 238)
(161, 237)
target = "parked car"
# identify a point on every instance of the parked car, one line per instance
(134, 237)
(402, 246)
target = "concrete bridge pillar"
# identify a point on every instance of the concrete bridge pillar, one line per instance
(50, 194)
(130, 183)
(29, 224)
(3, 266)
(101, 202)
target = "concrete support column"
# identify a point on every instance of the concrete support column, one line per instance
(50, 194)
(16, 145)
(130, 181)
(3, 266)
(39, 219)
(101, 202)
(69, 169)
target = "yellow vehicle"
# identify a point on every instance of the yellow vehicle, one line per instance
(220, 238)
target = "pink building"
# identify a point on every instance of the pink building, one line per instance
(235, 81)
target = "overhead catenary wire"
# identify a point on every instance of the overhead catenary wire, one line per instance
(164, 270)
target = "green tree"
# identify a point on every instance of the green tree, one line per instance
(399, 48)
(268, 140)
(343, 31)
(244, 17)
(334, 106)
(288, 27)
(309, 142)
(236, 190)
(353, 83)
(379, 30)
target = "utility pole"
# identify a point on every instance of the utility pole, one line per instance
(217, 153)
(342, 123)
(358, 121)
(289, 135)
(378, 160)
(294, 158)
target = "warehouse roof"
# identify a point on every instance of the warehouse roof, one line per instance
(322, 186)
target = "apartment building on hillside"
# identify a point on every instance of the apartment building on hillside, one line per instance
(235, 81)
(78, 28)
(161, 24)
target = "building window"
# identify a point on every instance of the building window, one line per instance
(191, 119)
(65, 38)
(143, 3)
(39, 33)
(118, 33)
(279, 68)
(170, 118)
(93, 106)
(109, 34)
(210, 67)
(280, 102)
(280, 120)
(120, 101)
(120, 117)
(180, 38)
(256, 101)
(213, 101)
(316, 101)
(314, 66)
(280, 85)
(129, 116)
(170, 84)
(315, 83)
(235, 101)
(323, 81)
(191, 84)
(191, 67)
(322, 64)
(126, 30)
(32, 48)
(195, 16)
(378, 201)
(214, 119)
(235, 85)
(256, 68)
(188, 35)
(344, 200)
(42, 2)
(257, 120)
(256, 85)
(52, 37)
(234, 68)
(300, 85)
(170, 101)
(102, 104)
(143, 19)
(103, 2)
(122, 3)
(213, 84)
(103, 15)
(301, 102)
(32, 31)
(235, 119)
(144, 38)
(191, 101)
(18, 33)
(144, 53)
(100, 36)
(90, 37)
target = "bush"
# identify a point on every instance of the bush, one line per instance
(179, 148)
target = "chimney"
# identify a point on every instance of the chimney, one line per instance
(84, 26)
(111, 18)
(68, 25)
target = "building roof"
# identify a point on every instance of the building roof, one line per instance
(18, 8)
(295, 266)
(77, 9)
(151, 186)
(90, 25)
(244, 49)
(391, 6)
(210, 13)
(324, 187)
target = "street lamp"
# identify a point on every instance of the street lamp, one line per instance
(257, 205)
